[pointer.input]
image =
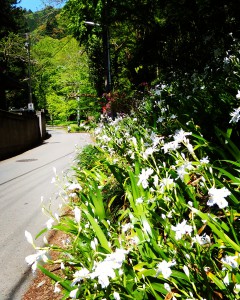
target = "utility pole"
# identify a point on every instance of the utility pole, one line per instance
(106, 50)
(108, 82)
(106, 47)
(27, 46)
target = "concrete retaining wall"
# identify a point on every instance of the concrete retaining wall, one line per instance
(18, 133)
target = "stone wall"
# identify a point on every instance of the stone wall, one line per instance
(18, 133)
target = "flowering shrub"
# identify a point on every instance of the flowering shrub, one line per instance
(170, 230)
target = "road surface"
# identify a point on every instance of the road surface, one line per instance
(25, 180)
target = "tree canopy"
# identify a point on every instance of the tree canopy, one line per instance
(170, 35)
(13, 56)
(193, 44)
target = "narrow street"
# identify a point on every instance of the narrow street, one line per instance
(25, 180)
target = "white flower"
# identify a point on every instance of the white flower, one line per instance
(181, 229)
(45, 240)
(184, 169)
(160, 119)
(186, 270)
(53, 180)
(204, 160)
(139, 200)
(56, 288)
(202, 240)
(163, 110)
(40, 257)
(29, 237)
(55, 171)
(167, 183)
(134, 140)
(231, 261)
(180, 136)
(80, 275)
(167, 287)
(116, 296)
(155, 139)
(143, 177)
(77, 214)
(238, 95)
(147, 227)
(174, 145)
(181, 171)
(62, 266)
(235, 115)
(74, 186)
(105, 138)
(73, 294)
(155, 180)
(94, 244)
(237, 288)
(164, 268)
(217, 196)
(117, 258)
(126, 227)
(72, 195)
(148, 151)
(226, 280)
(97, 131)
(49, 223)
(57, 217)
(189, 147)
(105, 269)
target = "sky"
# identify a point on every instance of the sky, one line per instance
(33, 5)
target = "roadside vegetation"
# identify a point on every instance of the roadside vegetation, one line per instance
(152, 211)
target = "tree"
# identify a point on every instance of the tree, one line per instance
(46, 22)
(193, 45)
(12, 57)
(171, 35)
(129, 24)
(60, 76)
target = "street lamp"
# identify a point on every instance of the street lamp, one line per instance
(106, 45)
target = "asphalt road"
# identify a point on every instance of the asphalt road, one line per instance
(24, 180)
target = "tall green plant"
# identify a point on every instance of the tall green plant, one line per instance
(174, 233)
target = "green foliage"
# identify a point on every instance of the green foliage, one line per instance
(13, 56)
(163, 37)
(46, 22)
(61, 78)
(89, 157)
(151, 214)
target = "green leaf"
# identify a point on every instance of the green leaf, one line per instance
(64, 283)
(217, 281)
(40, 233)
(98, 231)
(228, 144)
(158, 287)
(219, 232)
(97, 201)
(229, 175)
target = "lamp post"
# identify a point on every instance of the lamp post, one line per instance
(106, 45)
(78, 109)
(27, 46)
